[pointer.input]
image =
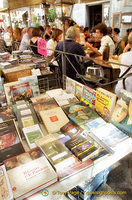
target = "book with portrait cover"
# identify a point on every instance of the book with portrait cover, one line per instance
(2, 94)
(81, 147)
(105, 103)
(79, 90)
(33, 81)
(53, 119)
(71, 129)
(34, 171)
(5, 187)
(122, 114)
(88, 96)
(44, 105)
(55, 151)
(6, 113)
(20, 91)
(10, 141)
(32, 133)
(7, 91)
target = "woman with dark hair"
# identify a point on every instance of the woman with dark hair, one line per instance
(34, 39)
(51, 44)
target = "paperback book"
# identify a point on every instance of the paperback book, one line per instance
(71, 108)
(6, 113)
(34, 171)
(88, 96)
(55, 151)
(79, 90)
(10, 142)
(82, 148)
(32, 133)
(53, 119)
(7, 91)
(70, 85)
(5, 187)
(41, 97)
(122, 114)
(66, 99)
(105, 103)
(2, 94)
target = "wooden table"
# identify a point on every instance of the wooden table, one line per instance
(111, 66)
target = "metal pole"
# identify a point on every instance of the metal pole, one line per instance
(64, 47)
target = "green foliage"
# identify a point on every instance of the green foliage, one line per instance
(51, 15)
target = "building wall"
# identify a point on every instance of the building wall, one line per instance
(122, 6)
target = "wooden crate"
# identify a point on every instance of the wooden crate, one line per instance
(13, 74)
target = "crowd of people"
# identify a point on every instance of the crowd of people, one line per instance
(76, 40)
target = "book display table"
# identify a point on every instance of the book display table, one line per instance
(57, 190)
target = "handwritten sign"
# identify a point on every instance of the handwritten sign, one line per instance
(42, 47)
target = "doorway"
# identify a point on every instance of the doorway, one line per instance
(95, 15)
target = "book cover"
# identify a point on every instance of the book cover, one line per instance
(81, 147)
(34, 172)
(55, 92)
(70, 85)
(7, 91)
(44, 105)
(88, 96)
(10, 142)
(53, 119)
(71, 108)
(20, 105)
(105, 103)
(33, 81)
(79, 90)
(2, 94)
(32, 133)
(71, 129)
(6, 113)
(41, 97)
(122, 114)
(83, 117)
(5, 188)
(55, 151)
(20, 91)
(66, 99)
(109, 139)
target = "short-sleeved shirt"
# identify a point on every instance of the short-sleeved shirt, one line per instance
(104, 41)
(23, 45)
(71, 47)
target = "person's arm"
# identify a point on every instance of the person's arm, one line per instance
(93, 48)
(122, 44)
(127, 47)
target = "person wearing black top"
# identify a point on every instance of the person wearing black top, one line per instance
(34, 39)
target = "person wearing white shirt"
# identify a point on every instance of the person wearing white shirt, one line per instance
(101, 33)
(26, 39)
(8, 38)
(51, 44)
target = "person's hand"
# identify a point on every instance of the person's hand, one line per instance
(88, 45)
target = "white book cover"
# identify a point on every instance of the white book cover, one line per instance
(53, 119)
(32, 133)
(55, 92)
(7, 91)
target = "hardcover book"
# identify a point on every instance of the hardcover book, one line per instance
(109, 139)
(71, 129)
(20, 91)
(10, 142)
(2, 94)
(7, 91)
(53, 119)
(32, 133)
(33, 81)
(105, 103)
(81, 147)
(5, 188)
(122, 114)
(55, 151)
(34, 171)
(88, 96)
(79, 90)
(6, 113)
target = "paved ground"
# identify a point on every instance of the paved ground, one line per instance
(119, 180)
